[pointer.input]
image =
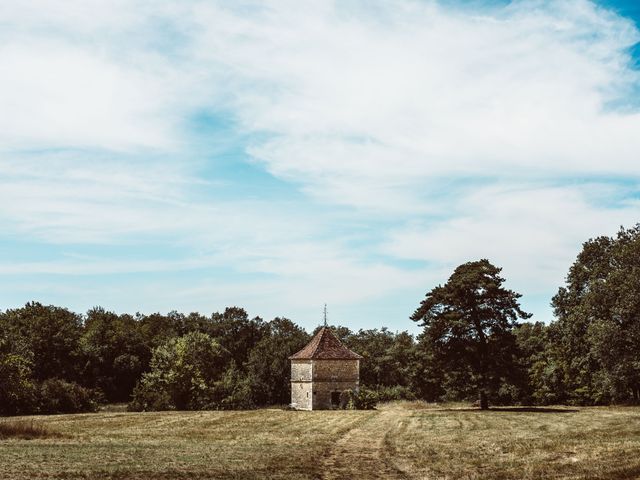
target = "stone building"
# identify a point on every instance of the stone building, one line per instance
(321, 371)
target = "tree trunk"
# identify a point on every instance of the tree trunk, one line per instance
(482, 363)
(484, 403)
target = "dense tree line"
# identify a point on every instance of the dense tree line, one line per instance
(474, 344)
(53, 360)
(106, 357)
(587, 356)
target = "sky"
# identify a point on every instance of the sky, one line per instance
(279, 155)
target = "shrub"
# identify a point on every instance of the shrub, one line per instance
(364, 399)
(345, 397)
(148, 398)
(60, 396)
(508, 394)
(396, 392)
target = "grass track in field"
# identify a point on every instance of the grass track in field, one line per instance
(404, 440)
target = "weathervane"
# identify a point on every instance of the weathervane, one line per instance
(325, 314)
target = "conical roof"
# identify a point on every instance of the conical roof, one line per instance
(325, 345)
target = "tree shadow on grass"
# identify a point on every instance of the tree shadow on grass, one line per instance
(514, 410)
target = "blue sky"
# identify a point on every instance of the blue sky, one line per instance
(278, 155)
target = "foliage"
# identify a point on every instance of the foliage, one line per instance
(362, 399)
(397, 392)
(237, 333)
(59, 396)
(147, 398)
(596, 339)
(538, 381)
(40, 360)
(469, 322)
(268, 367)
(387, 356)
(425, 374)
(51, 334)
(232, 392)
(17, 389)
(185, 370)
(157, 329)
(115, 353)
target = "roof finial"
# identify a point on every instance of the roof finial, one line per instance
(325, 314)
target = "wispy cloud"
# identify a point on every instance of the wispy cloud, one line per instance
(533, 232)
(419, 91)
(407, 136)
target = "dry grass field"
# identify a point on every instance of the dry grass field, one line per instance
(398, 441)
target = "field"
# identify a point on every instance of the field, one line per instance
(398, 441)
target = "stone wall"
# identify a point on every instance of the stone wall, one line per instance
(301, 389)
(313, 381)
(336, 370)
(301, 395)
(333, 376)
(322, 393)
(301, 370)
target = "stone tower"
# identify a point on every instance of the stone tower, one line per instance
(321, 371)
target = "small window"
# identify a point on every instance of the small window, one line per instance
(307, 394)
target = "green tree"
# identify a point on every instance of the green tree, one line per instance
(470, 322)
(531, 377)
(157, 328)
(237, 333)
(234, 391)
(115, 353)
(52, 335)
(402, 354)
(426, 376)
(376, 367)
(387, 356)
(17, 389)
(596, 338)
(268, 366)
(184, 373)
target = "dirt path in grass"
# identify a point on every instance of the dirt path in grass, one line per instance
(365, 452)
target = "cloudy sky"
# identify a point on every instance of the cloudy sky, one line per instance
(277, 155)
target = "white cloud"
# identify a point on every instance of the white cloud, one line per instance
(61, 96)
(533, 232)
(388, 96)
(383, 108)
(429, 91)
(93, 74)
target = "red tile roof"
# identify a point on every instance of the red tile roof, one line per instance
(325, 345)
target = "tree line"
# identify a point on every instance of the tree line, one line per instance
(588, 355)
(474, 345)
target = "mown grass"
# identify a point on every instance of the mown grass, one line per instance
(162, 445)
(519, 443)
(413, 440)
